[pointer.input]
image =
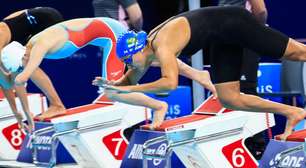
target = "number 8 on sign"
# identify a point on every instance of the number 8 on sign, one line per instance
(14, 136)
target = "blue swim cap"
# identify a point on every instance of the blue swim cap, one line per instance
(129, 43)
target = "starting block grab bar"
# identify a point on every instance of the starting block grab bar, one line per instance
(41, 132)
(8, 116)
(167, 154)
(54, 138)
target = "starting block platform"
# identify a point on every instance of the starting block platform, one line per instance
(91, 135)
(211, 137)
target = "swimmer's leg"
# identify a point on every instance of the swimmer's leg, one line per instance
(230, 97)
(295, 51)
(56, 106)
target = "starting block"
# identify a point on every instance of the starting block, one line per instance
(92, 134)
(11, 137)
(211, 137)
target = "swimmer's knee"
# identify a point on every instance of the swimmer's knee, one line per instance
(163, 105)
(297, 56)
(295, 51)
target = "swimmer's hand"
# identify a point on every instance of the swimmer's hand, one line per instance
(21, 79)
(27, 128)
(19, 119)
(106, 85)
(99, 81)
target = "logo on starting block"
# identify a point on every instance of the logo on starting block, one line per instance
(44, 151)
(14, 135)
(133, 157)
(283, 154)
(137, 149)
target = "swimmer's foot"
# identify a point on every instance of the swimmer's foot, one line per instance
(52, 112)
(292, 120)
(159, 115)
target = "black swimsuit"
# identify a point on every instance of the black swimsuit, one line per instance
(31, 22)
(223, 32)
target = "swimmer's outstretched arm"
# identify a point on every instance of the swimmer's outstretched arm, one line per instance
(167, 82)
(132, 76)
(8, 89)
(7, 86)
(140, 99)
(169, 79)
(160, 108)
(22, 94)
(10, 96)
(200, 76)
(35, 56)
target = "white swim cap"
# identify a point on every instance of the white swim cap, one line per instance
(11, 56)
